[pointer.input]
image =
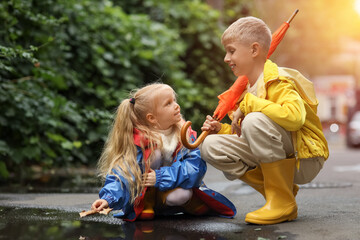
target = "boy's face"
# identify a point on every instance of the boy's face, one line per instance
(239, 57)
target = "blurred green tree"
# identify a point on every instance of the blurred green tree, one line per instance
(200, 28)
(65, 65)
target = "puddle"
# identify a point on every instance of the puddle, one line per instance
(29, 223)
(19, 223)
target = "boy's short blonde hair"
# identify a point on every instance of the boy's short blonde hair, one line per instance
(248, 30)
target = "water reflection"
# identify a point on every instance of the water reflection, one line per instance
(20, 223)
(17, 223)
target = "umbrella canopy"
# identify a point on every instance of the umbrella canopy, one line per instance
(277, 37)
(228, 99)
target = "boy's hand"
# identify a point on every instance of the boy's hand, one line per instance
(99, 205)
(149, 179)
(211, 125)
(235, 126)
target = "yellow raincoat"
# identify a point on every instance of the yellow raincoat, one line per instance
(288, 98)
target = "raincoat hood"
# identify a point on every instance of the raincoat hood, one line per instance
(302, 85)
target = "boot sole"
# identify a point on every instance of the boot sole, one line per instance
(147, 215)
(271, 221)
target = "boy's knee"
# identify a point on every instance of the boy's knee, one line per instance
(255, 125)
(207, 147)
(252, 120)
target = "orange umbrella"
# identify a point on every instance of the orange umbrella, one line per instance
(228, 99)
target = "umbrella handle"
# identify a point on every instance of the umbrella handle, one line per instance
(185, 142)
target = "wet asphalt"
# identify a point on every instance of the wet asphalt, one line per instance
(328, 208)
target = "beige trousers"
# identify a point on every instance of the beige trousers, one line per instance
(261, 141)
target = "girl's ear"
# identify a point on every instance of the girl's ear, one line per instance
(151, 118)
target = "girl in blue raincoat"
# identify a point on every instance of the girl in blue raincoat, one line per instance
(145, 167)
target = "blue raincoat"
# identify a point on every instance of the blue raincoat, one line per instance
(186, 171)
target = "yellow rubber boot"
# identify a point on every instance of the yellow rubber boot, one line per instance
(254, 178)
(280, 203)
(148, 212)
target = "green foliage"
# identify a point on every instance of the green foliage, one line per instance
(65, 65)
(200, 29)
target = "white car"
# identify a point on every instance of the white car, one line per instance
(353, 132)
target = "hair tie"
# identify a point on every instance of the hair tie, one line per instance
(132, 100)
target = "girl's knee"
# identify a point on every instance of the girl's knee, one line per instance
(179, 197)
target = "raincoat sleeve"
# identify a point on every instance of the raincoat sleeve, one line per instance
(187, 171)
(225, 129)
(283, 105)
(115, 192)
(116, 188)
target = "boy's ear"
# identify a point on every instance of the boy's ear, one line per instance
(255, 49)
(151, 118)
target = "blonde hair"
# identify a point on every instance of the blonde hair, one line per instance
(248, 30)
(120, 152)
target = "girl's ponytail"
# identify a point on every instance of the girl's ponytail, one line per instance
(119, 153)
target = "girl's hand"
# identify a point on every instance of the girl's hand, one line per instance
(235, 125)
(149, 179)
(211, 125)
(99, 205)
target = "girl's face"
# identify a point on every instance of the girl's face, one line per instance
(167, 112)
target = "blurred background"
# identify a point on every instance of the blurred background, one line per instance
(65, 65)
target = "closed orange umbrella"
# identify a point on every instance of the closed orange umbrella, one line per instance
(228, 99)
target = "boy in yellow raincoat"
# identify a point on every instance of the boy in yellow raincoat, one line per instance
(279, 140)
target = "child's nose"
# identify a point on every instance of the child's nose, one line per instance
(227, 58)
